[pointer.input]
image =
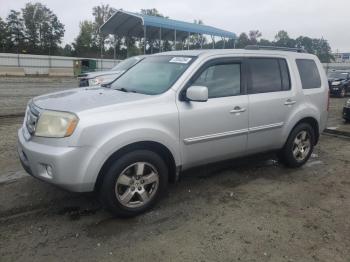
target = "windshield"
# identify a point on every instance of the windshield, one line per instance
(341, 75)
(153, 75)
(126, 64)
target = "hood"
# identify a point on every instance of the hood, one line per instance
(101, 73)
(77, 100)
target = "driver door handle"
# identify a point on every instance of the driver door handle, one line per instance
(237, 109)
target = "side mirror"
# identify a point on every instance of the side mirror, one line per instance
(197, 93)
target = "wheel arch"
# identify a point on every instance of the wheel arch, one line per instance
(313, 123)
(156, 147)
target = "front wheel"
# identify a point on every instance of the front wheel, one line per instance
(299, 146)
(134, 183)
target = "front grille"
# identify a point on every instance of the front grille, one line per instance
(33, 113)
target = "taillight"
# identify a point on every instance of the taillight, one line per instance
(328, 100)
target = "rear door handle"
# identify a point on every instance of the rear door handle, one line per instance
(237, 109)
(289, 102)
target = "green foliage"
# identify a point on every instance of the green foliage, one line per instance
(35, 30)
(85, 43)
(319, 47)
(43, 30)
(3, 35)
(15, 32)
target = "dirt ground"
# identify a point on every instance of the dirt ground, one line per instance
(243, 210)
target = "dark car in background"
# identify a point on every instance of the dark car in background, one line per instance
(105, 77)
(346, 111)
(339, 82)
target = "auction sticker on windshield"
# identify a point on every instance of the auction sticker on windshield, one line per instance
(180, 60)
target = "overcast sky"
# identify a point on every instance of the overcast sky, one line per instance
(329, 19)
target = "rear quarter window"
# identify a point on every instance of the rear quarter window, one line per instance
(309, 75)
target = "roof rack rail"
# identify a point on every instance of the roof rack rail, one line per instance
(280, 48)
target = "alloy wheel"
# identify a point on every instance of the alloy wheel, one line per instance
(137, 184)
(301, 145)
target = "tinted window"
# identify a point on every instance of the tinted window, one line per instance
(310, 78)
(221, 80)
(268, 75)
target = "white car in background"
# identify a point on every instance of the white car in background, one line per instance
(105, 77)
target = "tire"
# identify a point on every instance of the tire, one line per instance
(134, 183)
(293, 155)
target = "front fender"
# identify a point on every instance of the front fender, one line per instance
(126, 136)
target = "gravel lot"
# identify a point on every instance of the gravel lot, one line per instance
(243, 210)
(16, 91)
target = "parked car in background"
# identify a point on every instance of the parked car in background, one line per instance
(104, 77)
(339, 82)
(346, 111)
(170, 112)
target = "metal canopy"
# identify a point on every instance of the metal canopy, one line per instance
(123, 23)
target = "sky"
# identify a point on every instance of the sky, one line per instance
(314, 18)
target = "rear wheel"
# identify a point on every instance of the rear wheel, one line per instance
(299, 146)
(134, 183)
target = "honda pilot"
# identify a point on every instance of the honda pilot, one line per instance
(170, 112)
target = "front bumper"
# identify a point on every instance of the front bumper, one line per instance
(66, 167)
(346, 113)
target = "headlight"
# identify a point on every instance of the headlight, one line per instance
(56, 124)
(336, 83)
(95, 81)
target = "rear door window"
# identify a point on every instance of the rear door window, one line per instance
(309, 75)
(268, 75)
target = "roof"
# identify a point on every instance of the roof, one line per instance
(125, 23)
(237, 52)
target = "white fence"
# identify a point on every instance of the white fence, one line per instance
(339, 66)
(41, 64)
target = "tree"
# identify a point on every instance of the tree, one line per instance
(198, 40)
(242, 41)
(101, 14)
(15, 29)
(154, 45)
(305, 43)
(322, 50)
(43, 30)
(3, 35)
(254, 36)
(265, 42)
(84, 44)
(152, 12)
(282, 39)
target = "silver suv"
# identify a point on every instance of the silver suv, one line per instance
(170, 112)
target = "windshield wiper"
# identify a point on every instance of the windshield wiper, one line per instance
(122, 89)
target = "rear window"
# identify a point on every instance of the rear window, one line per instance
(309, 75)
(268, 75)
